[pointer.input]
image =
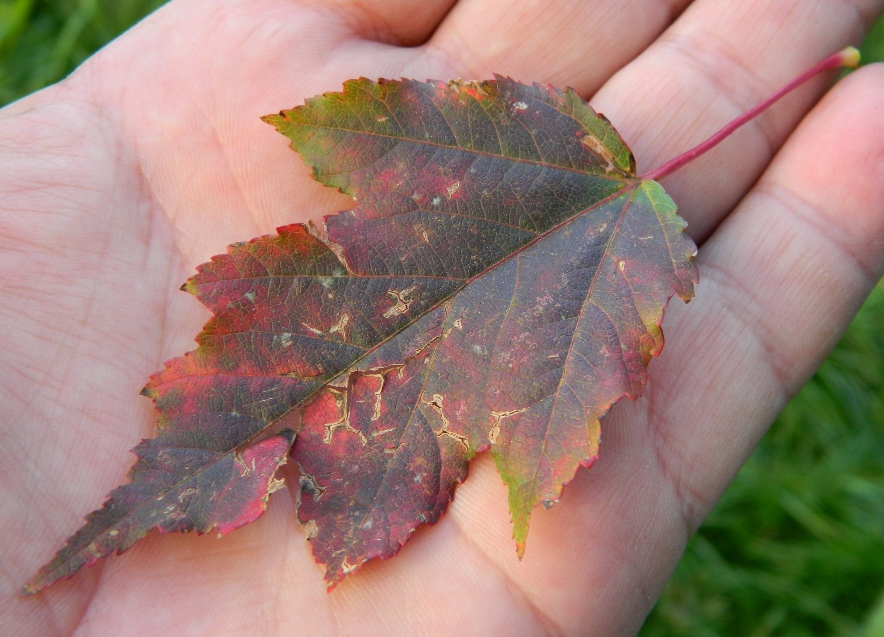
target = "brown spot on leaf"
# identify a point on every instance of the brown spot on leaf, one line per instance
(598, 148)
(498, 417)
(342, 404)
(311, 529)
(403, 302)
(311, 486)
(470, 87)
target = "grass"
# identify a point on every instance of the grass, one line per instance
(41, 41)
(796, 545)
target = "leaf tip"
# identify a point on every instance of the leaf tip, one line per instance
(331, 584)
(520, 533)
(28, 589)
(275, 119)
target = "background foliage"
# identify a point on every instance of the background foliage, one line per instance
(796, 545)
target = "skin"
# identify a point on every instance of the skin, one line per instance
(118, 181)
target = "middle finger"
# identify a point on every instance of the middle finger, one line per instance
(566, 43)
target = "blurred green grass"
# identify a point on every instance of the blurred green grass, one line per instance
(41, 41)
(796, 545)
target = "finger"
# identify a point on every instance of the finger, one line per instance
(802, 251)
(578, 44)
(402, 22)
(714, 63)
(783, 277)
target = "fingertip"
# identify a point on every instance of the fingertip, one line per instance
(400, 22)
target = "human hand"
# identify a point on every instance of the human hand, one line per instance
(151, 158)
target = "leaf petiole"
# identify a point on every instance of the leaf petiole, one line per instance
(848, 57)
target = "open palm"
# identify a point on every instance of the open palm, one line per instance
(115, 183)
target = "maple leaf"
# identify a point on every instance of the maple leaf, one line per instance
(500, 284)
